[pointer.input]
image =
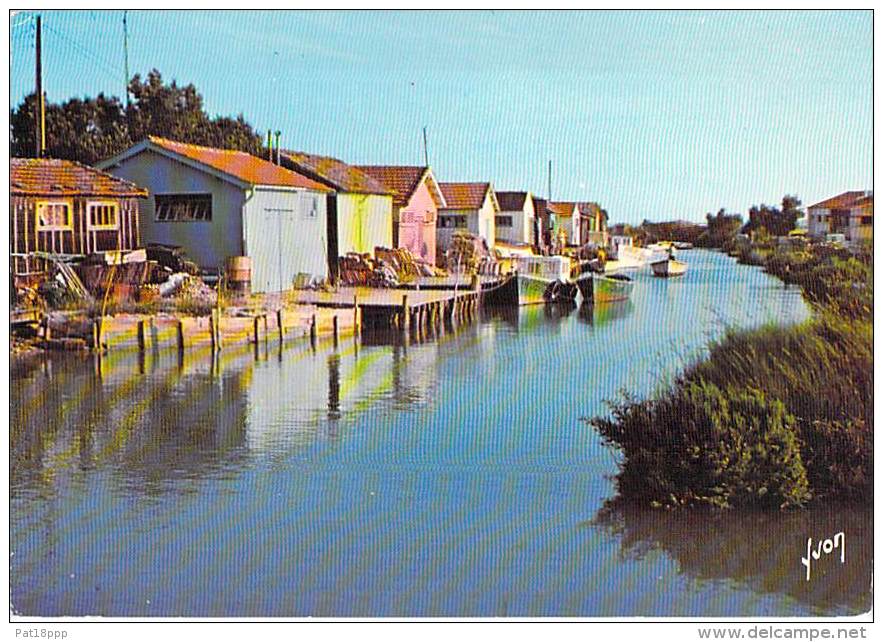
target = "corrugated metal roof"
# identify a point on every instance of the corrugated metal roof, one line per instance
(335, 173)
(240, 165)
(846, 200)
(464, 196)
(54, 177)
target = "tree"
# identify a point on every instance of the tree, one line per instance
(721, 228)
(777, 222)
(91, 129)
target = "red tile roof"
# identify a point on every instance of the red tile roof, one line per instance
(511, 201)
(53, 177)
(402, 180)
(334, 173)
(561, 208)
(845, 201)
(240, 165)
(464, 196)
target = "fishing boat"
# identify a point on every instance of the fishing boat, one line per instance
(614, 286)
(668, 267)
(537, 279)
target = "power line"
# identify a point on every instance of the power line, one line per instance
(86, 52)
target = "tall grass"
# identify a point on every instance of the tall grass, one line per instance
(773, 416)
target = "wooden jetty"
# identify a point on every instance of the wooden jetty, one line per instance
(397, 308)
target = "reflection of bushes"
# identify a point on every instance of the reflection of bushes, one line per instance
(756, 547)
(773, 416)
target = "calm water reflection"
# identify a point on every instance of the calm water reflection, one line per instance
(450, 476)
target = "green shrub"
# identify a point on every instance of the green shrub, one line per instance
(702, 444)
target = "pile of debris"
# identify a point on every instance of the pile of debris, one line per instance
(406, 264)
(469, 254)
(157, 273)
(387, 269)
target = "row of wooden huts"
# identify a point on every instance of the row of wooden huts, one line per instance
(294, 215)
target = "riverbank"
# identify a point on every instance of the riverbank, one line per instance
(773, 417)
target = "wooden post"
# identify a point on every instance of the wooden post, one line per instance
(211, 332)
(355, 314)
(180, 336)
(96, 335)
(313, 331)
(334, 329)
(280, 326)
(216, 319)
(266, 329)
(142, 335)
(406, 313)
(257, 330)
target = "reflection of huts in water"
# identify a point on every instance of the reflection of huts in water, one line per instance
(297, 403)
(116, 416)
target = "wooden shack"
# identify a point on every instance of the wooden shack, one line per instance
(67, 209)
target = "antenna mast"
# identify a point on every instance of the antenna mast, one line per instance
(126, 52)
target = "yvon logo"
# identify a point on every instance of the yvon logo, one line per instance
(827, 547)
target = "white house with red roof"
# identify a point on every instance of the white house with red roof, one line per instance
(849, 213)
(219, 203)
(470, 207)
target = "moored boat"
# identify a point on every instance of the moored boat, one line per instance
(668, 267)
(538, 279)
(612, 287)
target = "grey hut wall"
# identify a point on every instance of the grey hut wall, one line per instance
(286, 236)
(206, 243)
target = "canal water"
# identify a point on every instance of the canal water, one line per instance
(448, 477)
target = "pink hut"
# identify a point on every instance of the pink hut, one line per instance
(416, 200)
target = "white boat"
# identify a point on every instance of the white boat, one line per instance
(668, 267)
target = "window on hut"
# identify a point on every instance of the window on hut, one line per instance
(183, 207)
(102, 215)
(54, 216)
(504, 221)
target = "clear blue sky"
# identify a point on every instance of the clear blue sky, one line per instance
(655, 115)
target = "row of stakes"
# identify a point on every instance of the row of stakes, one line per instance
(423, 316)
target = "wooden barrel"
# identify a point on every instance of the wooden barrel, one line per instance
(238, 270)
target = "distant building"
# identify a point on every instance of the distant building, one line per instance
(543, 224)
(850, 214)
(218, 203)
(415, 204)
(515, 221)
(593, 224)
(567, 222)
(470, 207)
(359, 209)
(64, 208)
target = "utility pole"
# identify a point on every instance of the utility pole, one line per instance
(278, 149)
(549, 192)
(41, 98)
(425, 149)
(126, 53)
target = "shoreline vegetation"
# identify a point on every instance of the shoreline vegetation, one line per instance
(773, 417)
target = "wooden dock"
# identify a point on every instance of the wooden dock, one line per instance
(396, 308)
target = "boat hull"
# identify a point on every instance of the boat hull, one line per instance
(608, 289)
(668, 268)
(522, 289)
